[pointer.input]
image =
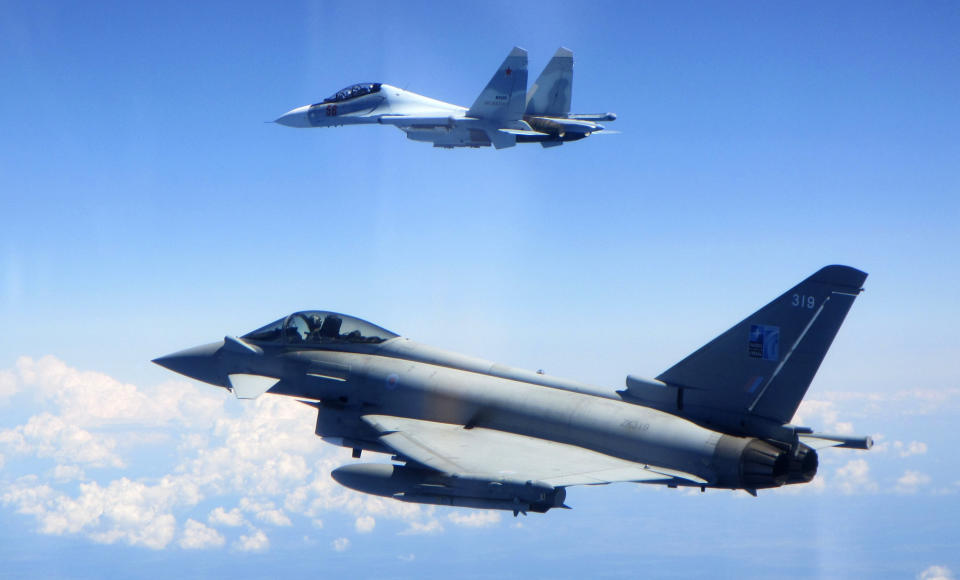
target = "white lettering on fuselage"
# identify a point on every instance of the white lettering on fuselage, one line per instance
(634, 425)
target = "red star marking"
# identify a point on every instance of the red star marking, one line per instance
(509, 71)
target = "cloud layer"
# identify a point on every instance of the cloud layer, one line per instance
(259, 463)
(178, 465)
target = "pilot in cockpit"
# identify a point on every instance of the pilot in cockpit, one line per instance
(324, 328)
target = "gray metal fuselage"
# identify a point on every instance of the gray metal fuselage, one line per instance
(402, 378)
(472, 433)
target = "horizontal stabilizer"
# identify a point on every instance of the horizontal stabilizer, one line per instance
(251, 386)
(501, 139)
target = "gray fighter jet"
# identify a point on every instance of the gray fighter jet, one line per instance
(503, 115)
(461, 431)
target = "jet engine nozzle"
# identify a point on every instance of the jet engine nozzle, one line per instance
(547, 126)
(803, 465)
(763, 465)
(416, 485)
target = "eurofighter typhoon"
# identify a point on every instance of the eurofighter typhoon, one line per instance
(466, 432)
(503, 115)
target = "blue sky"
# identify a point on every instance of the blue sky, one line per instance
(145, 206)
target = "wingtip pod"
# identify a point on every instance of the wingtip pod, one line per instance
(822, 440)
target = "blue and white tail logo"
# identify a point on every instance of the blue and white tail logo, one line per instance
(764, 342)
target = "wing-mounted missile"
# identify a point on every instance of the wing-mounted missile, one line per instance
(417, 485)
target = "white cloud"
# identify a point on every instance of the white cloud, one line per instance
(910, 481)
(64, 473)
(921, 401)
(821, 414)
(256, 541)
(406, 557)
(908, 449)
(8, 386)
(854, 477)
(198, 536)
(936, 573)
(274, 518)
(48, 436)
(27, 498)
(265, 512)
(842, 428)
(232, 518)
(87, 398)
(263, 452)
(899, 448)
(430, 527)
(341, 544)
(125, 510)
(475, 519)
(264, 449)
(365, 524)
(155, 533)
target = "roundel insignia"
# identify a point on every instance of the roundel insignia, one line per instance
(392, 380)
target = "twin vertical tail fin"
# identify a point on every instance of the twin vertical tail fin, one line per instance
(505, 96)
(551, 95)
(758, 371)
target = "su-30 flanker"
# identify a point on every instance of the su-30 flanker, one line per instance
(467, 432)
(503, 115)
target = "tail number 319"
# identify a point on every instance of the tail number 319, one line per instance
(801, 301)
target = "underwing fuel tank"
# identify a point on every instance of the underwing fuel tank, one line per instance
(414, 485)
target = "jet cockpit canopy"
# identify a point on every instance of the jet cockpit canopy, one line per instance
(318, 327)
(353, 91)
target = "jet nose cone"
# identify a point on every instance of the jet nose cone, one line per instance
(295, 118)
(200, 362)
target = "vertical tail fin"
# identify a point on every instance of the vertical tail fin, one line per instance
(505, 96)
(551, 95)
(761, 368)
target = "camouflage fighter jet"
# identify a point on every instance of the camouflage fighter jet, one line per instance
(503, 115)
